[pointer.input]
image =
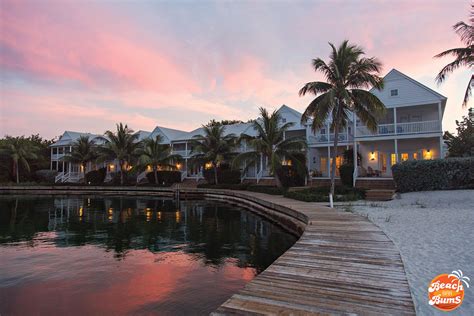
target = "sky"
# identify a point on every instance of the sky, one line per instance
(86, 65)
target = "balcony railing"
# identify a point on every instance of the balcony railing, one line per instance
(401, 128)
(183, 153)
(325, 138)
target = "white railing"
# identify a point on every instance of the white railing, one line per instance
(418, 127)
(59, 178)
(184, 174)
(401, 128)
(259, 175)
(325, 138)
(141, 176)
(183, 153)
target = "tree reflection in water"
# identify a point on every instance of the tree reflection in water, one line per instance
(209, 231)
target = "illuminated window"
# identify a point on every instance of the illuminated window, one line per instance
(404, 156)
(393, 159)
(415, 156)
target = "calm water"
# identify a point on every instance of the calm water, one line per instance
(93, 255)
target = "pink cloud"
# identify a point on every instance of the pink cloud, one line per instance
(94, 52)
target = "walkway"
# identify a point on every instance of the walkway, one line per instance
(342, 264)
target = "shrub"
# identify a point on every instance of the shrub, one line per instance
(321, 194)
(266, 189)
(45, 176)
(96, 177)
(439, 174)
(165, 178)
(289, 177)
(240, 186)
(346, 172)
(225, 175)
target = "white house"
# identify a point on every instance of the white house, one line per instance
(410, 130)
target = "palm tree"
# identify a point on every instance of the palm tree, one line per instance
(271, 143)
(81, 153)
(19, 150)
(153, 153)
(464, 56)
(121, 146)
(212, 147)
(348, 74)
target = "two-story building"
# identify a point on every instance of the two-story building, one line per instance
(411, 129)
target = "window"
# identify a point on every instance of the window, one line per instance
(55, 151)
(283, 120)
(415, 156)
(393, 159)
(54, 165)
(394, 92)
(404, 156)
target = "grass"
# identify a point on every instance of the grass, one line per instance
(321, 194)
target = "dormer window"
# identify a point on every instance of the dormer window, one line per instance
(283, 120)
(394, 92)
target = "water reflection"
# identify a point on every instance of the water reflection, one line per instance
(76, 240)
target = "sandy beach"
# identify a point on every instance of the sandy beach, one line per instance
(434, 232)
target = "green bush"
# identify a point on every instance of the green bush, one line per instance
(240, 186)
(96, 177)
(439, 174)
(225, 175)
(321, 194)
(289, 177)
(45, 176)
(266, 189)
(165, 178)
(346, 173)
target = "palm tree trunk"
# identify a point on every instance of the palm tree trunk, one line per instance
(334, 154)
(16, 170)
(121, 172)
(215, 173)
(155, 172)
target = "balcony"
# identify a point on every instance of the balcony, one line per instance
(402, 128)
(182, 153)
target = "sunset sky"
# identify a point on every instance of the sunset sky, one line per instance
(85, 65)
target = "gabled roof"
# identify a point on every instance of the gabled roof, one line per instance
(69, 137)
(410, 91)
(236, 129)
(168, 133)
(142, 135)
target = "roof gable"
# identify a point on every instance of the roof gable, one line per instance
(409, 91)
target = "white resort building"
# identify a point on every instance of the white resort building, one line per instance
(410, 130)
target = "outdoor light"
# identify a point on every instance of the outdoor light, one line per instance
(428, 154)
(178, 166)
(372, 155)
(208, 165)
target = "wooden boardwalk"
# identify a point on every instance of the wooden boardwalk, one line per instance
(342, 264)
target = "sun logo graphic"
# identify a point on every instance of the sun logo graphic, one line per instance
(446, 291)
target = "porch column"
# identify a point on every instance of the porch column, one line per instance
(440, 120)
(329, 161)
(186, 149)
(396, 150)
(51, 160)
(395, 121)
(354, 151)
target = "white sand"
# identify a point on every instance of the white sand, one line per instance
(435, 234)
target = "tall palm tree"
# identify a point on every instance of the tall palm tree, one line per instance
(213, 147)
(464, 56)
(157, 155)
(82, 152)
(348, 74)
(271, 143)
(121, 146)
(19, 150)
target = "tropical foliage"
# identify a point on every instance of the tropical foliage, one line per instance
(348, 75)
(462, 144)
(463, 56)
(121, 146)
(270, 144)
(212, 147)
(20, 152)
(156, 155)
(82, 152)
